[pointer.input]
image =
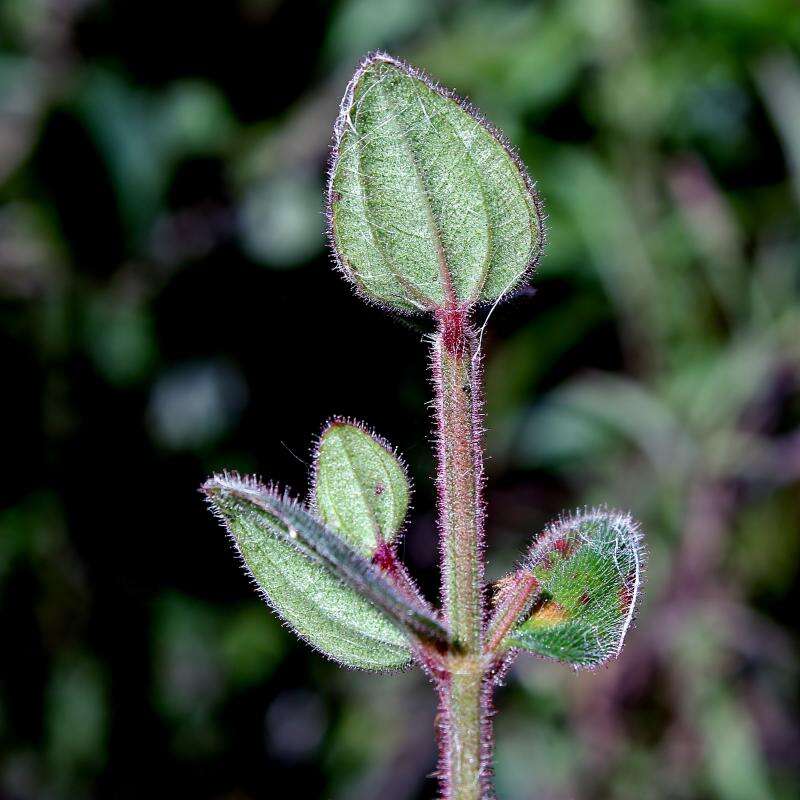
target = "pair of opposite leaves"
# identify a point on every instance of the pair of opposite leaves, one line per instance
(316, 567)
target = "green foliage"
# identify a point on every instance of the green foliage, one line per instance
(317, 581)
(360, 486)
(429, 210)
(588, 571)
(427, 204)
(317, 604)
(666, 138)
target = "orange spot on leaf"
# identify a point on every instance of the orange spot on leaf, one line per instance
(548, 614)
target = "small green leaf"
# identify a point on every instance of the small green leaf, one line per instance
(360, 486)
(589, 570)
(329, 615)
(328, 593)
(428, 206)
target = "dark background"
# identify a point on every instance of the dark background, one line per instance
(168, 308)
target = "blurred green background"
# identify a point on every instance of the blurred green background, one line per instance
(167, 308)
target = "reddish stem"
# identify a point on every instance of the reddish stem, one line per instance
(430, 655)
(510, 606)
(465, 748)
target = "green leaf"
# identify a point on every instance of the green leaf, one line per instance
(331, 596)
(589, 571)
(428, 206)
(360, 486)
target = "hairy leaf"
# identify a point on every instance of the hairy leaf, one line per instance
(428, 206)
(360, 486)
(316, 581)
(587, 571)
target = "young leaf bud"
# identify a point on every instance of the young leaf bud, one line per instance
(360, 486)
(428, 206)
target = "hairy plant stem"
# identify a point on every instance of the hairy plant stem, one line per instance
(464, 740)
